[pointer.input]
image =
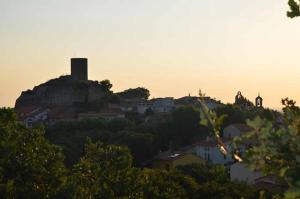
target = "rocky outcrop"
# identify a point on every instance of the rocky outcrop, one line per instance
(63, 91)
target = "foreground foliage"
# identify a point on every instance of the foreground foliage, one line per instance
(30, 167)
(275, 148)
(294, 9)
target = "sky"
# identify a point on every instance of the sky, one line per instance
(171, 47)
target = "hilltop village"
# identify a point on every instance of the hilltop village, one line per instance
(74, 97)
(169, 132)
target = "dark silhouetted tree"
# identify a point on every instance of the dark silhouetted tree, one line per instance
(132, 93)
(105, 85)
(294, 9)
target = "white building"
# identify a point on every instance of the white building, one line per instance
(39, 115)
(210, 151)
(234, 130)
(142, 107)
(195, 101)
(163, 105)
(212, 104)
(240, 172)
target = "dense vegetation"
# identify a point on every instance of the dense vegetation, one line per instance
(144, 140)
(275, 145)
(135, 93)
(277, 150)
(30, 167)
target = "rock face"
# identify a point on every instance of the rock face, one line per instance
(63, 91)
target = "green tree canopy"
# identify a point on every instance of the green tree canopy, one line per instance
(276, 148)
(104, 172)
(158, 184)
(30, 167)
(186, 126)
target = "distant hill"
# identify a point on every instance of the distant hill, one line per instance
(62, 91)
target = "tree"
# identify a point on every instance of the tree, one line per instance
(141, 145)
(294, 9)
(159, 184)
(190, 186)
(71, 136)
(234, 114)
(105, 85)
(275, 149)
(30, 167)
(214, 182)
(185, 121)
(133, 93)
(119, 124)
(104, 172)
(204, 173)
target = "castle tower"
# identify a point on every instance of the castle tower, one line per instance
(259, 101)
(79, 69)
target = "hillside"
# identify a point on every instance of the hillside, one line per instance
(63, 91)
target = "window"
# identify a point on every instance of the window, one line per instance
(29, 122)
(206, 156)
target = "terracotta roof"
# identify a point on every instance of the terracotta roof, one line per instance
(27, 109)
(268, 179)
(62, 113)
(270, 183)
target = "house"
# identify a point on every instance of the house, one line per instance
(33, 117)
(105, 114)
(169, 160)
(209, 150)
(130, 105)
(187, 101)
(212, 103)
(195, 102)
(109, 113)
(143, 106)
(240, 172)
(163, 105)
(234, 130)
(270, 183)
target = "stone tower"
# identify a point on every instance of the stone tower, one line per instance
(79, 69)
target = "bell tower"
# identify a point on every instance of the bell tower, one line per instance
(259, 101)
(79, 69)
(238, 97)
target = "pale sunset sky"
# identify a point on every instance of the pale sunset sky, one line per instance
(171, 47)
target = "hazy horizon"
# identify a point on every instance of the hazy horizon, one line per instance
(171, 47)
